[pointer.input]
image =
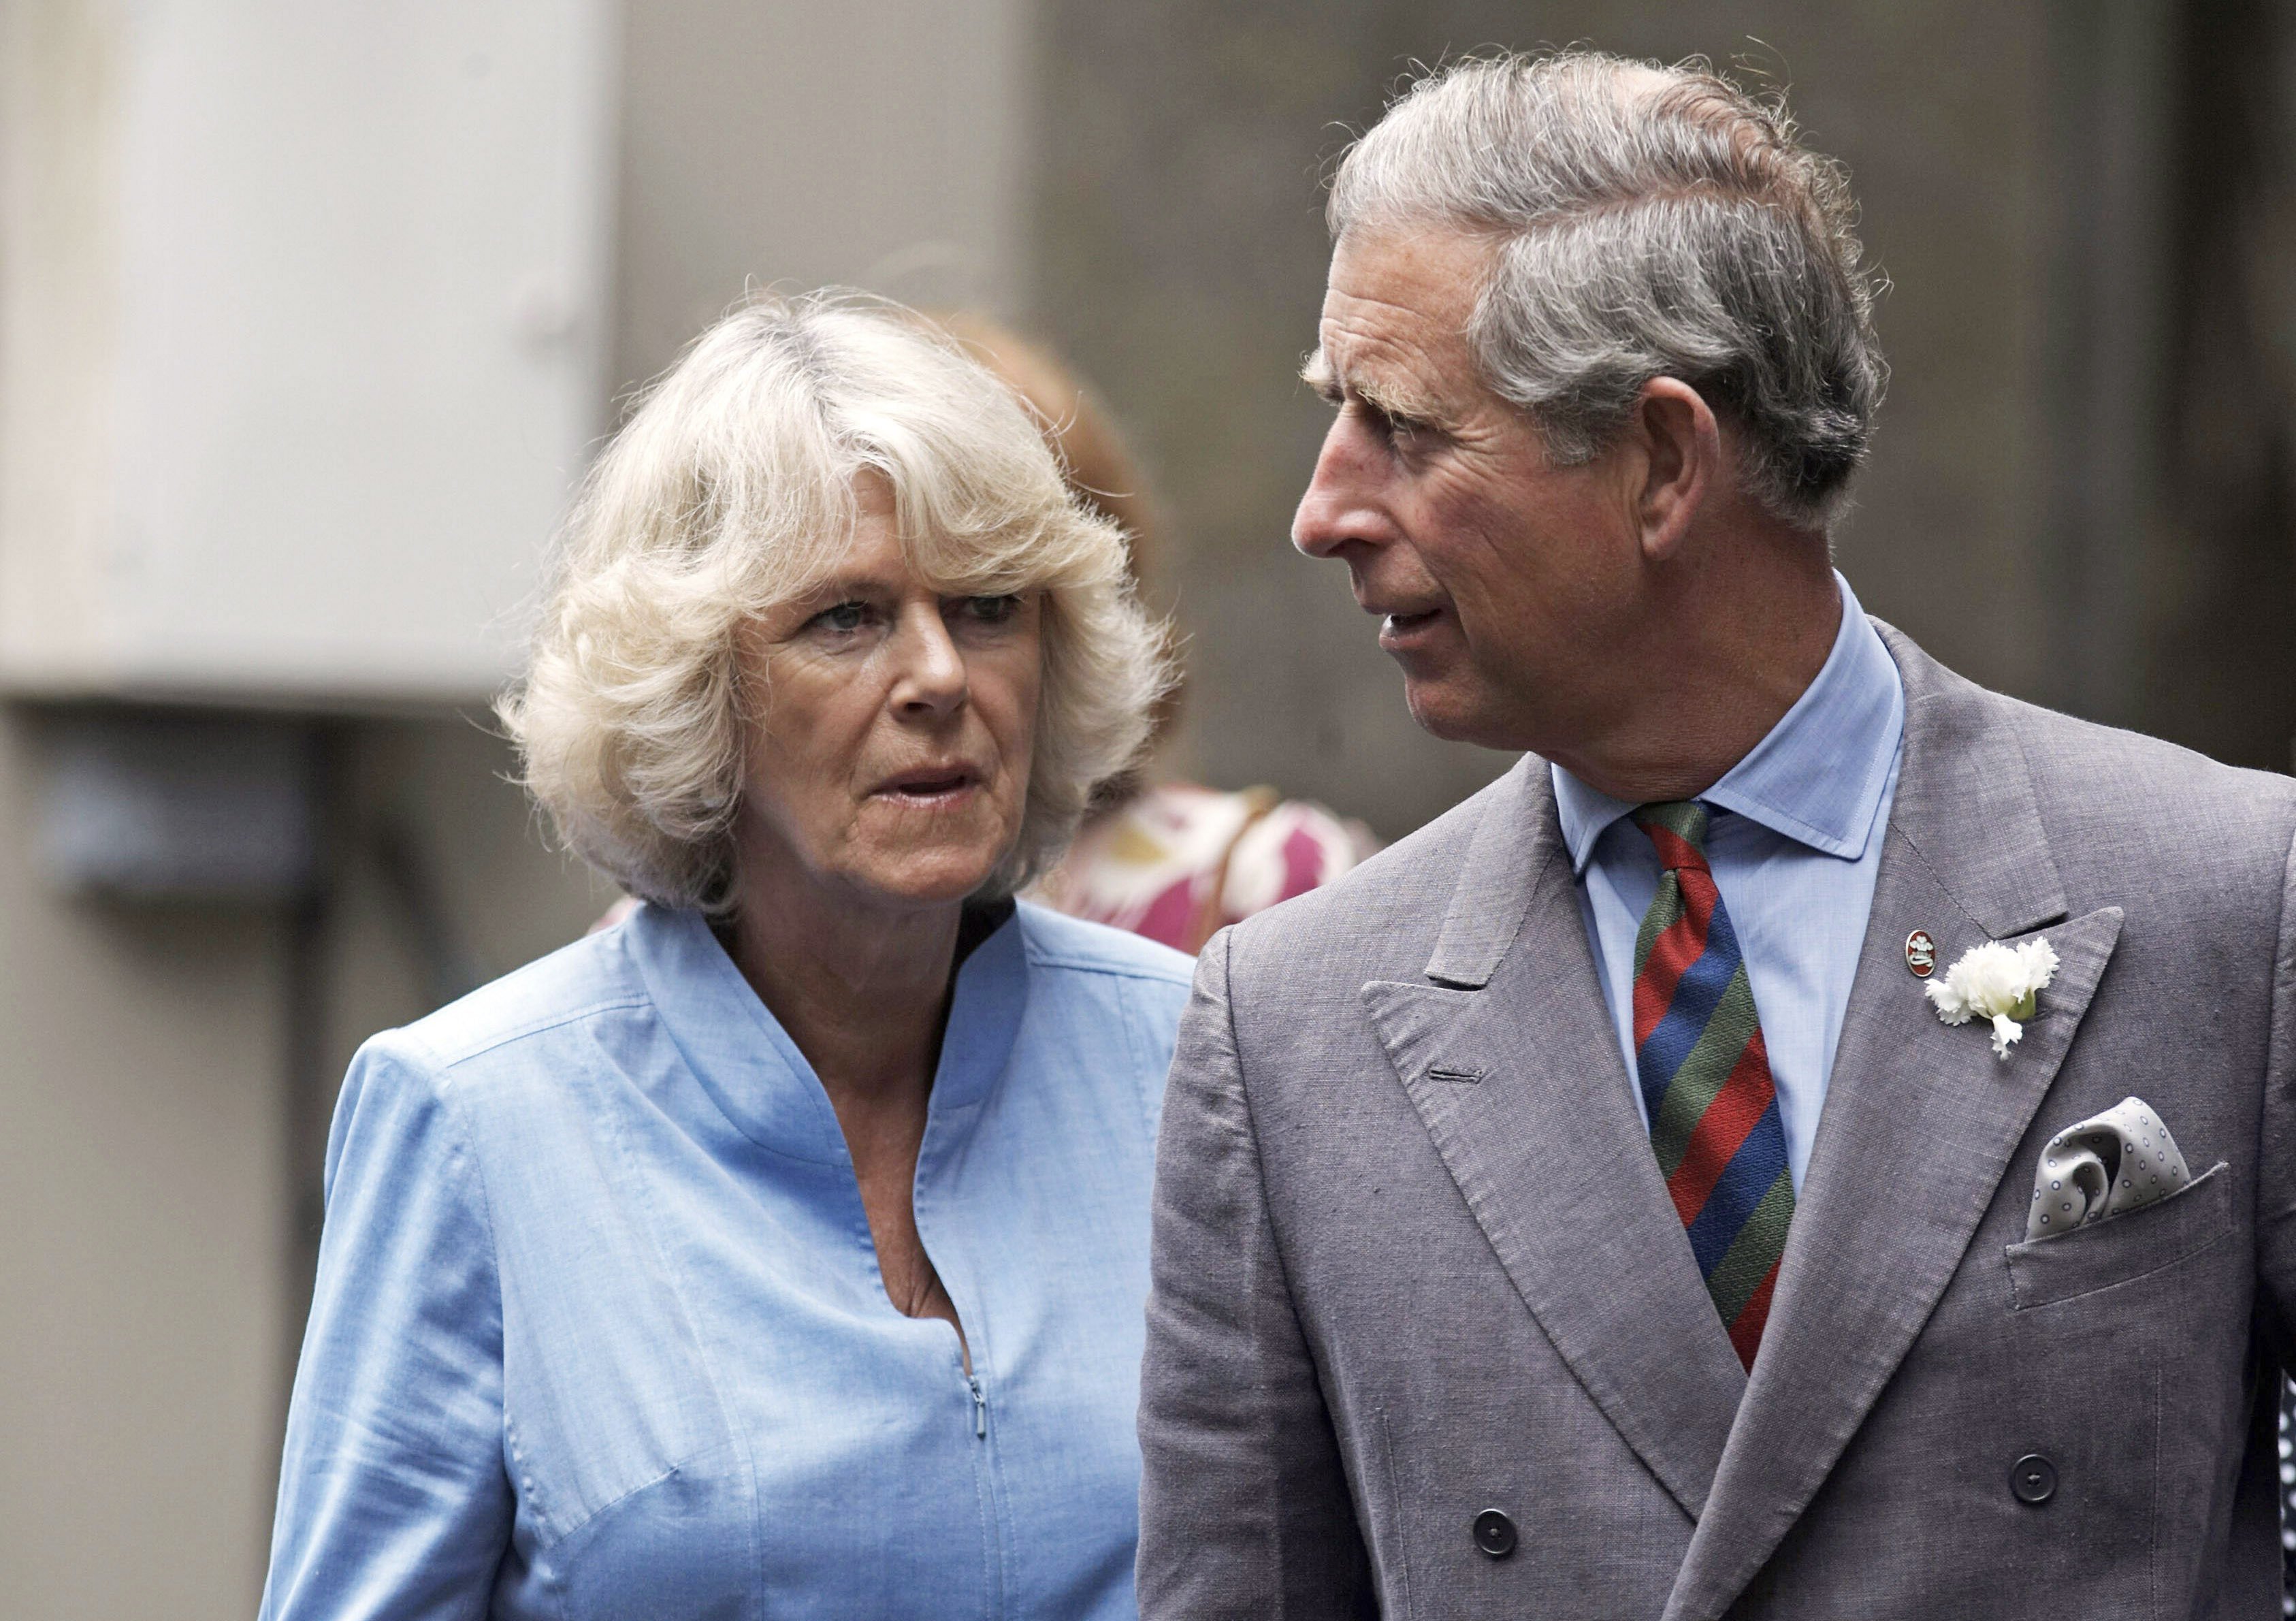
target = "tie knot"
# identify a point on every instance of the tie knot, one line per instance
(1677, 827)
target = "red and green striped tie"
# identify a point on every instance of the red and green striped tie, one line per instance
(1705, 1077)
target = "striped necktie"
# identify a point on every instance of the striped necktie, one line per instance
(1705, 1077)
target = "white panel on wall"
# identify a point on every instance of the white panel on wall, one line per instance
(290, 405)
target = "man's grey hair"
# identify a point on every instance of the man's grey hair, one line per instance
(1648, 222)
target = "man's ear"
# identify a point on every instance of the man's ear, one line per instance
(1682, 462)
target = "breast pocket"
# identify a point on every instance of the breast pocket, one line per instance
(2122, 1248)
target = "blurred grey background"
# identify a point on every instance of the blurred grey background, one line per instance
(293, 383)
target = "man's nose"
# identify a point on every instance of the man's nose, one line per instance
(1337, 508)
(932, 678)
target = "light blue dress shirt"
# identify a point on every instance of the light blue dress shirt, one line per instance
(599, 1329)
(1795, 865)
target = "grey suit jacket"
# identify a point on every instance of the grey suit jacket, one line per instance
(1413, 1258)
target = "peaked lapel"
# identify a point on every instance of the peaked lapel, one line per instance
(1967, 859)
(1514, 1065)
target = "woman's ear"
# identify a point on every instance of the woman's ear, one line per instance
(1682, 462)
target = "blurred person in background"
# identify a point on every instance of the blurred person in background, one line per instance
(783, 1248)
(1171, 859)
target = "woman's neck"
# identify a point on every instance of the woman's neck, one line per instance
(861, 988)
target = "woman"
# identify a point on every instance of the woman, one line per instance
(782, 1250)
(1171, 859)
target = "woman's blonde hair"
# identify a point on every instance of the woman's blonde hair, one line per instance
(731, 490)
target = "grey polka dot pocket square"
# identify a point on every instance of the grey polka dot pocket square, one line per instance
(2121, 1160)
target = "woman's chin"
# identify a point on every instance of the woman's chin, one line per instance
(936, 875)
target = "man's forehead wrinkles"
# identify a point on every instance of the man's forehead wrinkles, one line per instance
(1386, 323)
(1346, 345)
(1409, 311)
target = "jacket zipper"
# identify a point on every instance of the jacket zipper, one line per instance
(980, 1409)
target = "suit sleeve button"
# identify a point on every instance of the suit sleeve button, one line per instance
(1494, 1533)
(2033, 1478)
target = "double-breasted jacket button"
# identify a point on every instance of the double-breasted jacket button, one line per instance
(2033, 1478)
(1494, 1533)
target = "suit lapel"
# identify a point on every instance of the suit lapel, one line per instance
(1872, 1248)
(1514, 1065)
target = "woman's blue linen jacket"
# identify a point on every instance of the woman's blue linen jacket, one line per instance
(599, 1329)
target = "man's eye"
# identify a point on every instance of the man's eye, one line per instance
(1390, 427)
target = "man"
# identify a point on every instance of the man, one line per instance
(1584, 1209)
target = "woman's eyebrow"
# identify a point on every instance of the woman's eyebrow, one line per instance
(841, 587)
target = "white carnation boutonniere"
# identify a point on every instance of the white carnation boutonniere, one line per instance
(1996, 982)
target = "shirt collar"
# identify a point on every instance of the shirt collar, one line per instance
(1817, 777)
(742, 1058)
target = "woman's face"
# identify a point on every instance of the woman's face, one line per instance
(892, 758)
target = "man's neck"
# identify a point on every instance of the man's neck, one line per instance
(1727, 658)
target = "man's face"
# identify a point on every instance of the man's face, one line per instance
(1505, 586)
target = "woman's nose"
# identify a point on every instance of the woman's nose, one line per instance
(932, 675)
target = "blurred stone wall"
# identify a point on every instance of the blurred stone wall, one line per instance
(142, 1308)
(166, 1071)
(2222, 575)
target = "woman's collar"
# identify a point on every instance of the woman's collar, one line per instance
(743, 1058)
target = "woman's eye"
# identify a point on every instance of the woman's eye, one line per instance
(846, 617)
(992, 610)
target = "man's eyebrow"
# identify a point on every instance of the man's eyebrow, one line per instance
(1397, 404)
(1315, 372)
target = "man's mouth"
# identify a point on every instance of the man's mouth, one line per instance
(1398, 629)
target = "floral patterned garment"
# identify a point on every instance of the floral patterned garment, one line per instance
(2287, 1496)
(1180, 862)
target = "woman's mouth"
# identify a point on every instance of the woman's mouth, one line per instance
(930, 789)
